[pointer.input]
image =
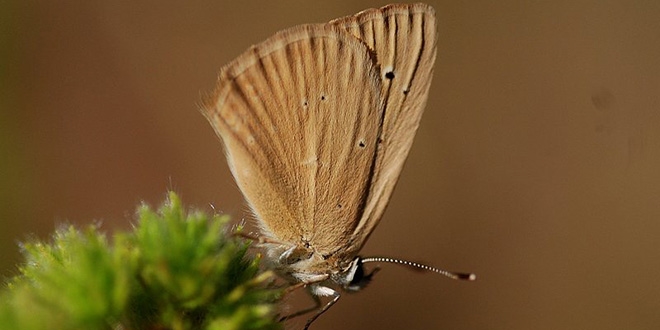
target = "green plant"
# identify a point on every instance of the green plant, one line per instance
(174, 270)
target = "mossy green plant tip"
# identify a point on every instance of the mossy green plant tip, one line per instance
(176, 269)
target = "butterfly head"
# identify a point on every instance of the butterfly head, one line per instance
(355, 277)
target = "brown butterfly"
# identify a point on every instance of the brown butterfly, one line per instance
(317, 122)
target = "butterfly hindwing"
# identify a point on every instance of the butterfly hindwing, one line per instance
(403, 37)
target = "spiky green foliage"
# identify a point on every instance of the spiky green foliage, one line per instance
(175, 270)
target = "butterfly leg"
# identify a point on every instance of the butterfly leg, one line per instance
(258, 239)
(317, 304)
(322, 291)
(312, 286)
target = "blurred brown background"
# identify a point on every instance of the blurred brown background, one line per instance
(537, 164)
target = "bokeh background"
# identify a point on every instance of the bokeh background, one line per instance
(537, 164)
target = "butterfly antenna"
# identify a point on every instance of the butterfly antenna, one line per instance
(452, 275)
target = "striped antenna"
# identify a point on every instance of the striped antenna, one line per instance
(411, 264)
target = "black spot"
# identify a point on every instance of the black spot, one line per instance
(305, 103)
(322, 97)
(339, 206)
(406, 91)
(361, 144)
(389, 75)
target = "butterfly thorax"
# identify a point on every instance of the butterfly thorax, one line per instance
(298, 264)
(302, 264)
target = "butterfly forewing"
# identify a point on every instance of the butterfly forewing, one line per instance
(403, 38)
(300, 116)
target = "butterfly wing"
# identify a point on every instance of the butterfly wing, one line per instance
(404, 40)
(300, 115)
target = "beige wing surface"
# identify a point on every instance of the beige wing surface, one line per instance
(300, 115)
(404, 40)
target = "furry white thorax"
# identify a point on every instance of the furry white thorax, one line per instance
(298, 265)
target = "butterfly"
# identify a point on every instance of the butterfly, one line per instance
(317, 122)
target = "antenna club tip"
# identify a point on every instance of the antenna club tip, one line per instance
(468, 277)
